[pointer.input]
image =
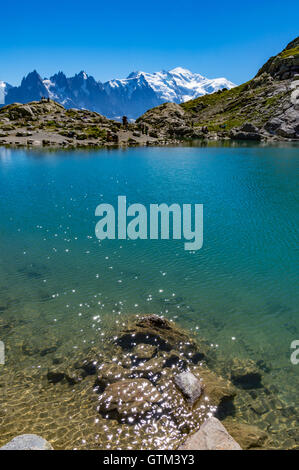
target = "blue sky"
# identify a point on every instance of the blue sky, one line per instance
(112, 38)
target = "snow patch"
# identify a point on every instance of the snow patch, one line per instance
(177, 85)
(2, 92)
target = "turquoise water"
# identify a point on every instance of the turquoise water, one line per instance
(239, 292)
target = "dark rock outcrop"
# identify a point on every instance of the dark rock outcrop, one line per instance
(246, 132)
(284, 65)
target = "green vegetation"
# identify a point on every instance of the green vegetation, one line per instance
(86, 133)
(71, 113)
(213, 99)
(273, 100)
(289, 52)
(223, 126)
(252, 101)
(51, 125)
(95, 132)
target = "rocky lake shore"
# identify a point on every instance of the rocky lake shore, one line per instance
(265, 109)
(46, 123)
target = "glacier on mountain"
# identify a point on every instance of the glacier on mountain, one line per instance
(4, 87)
(179, 85)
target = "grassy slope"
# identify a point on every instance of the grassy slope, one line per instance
(232, 108)
(289, 52)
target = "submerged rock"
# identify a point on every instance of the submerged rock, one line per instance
(154, 321)
(145, 351)
(173, 354)
(64, 373)
(55, 376)
(156, 331)
(110, 373)
(190, 386)
(27, 442)
(219, 390)
(129, 399)
(156, 371)
(246, 374)
(151, 370)
(211, 435)
(248, 436)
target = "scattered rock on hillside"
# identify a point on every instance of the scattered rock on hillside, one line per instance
(286, 131)
(246, 132)
(51, 125)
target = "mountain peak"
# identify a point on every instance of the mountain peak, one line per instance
(135, 74)
(130, 96)
(83, 75)
(180, 71)
(4, 87)
(33, 74)
(32, 78)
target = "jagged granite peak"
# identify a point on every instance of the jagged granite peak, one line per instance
(131, 96)
(59, 79)
(32, 88)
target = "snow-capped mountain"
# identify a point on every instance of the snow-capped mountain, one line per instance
(177, 85)
(131, 96)
(4, 87)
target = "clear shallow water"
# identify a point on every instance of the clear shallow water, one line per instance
(58, 282)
